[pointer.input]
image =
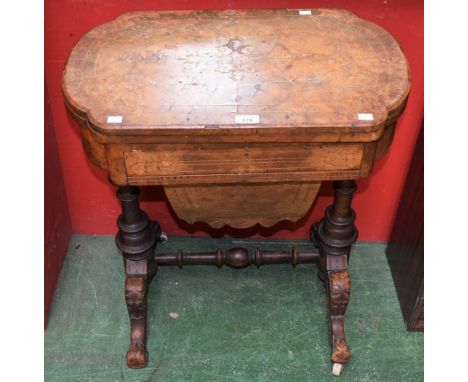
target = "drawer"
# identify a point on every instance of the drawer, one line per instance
(231, 161)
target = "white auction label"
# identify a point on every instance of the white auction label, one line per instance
(305, 12)
(247, 118)
(365, 116)
(114, 119)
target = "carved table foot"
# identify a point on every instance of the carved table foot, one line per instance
(338, 291)
(137, 239)
(136, 291)
(334, 235)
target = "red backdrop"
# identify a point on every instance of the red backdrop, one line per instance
(92, 204)
(57, 227)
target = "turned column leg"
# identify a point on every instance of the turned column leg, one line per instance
(136, 239)
(334, 235)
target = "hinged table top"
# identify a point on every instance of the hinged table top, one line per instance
(320, 70)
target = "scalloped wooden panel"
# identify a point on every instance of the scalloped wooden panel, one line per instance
(242, 206)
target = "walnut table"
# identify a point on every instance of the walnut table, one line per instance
(240, 115)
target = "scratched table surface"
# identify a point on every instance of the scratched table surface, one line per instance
(276, 68)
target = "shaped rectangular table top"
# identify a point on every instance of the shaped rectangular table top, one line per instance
(207, 72)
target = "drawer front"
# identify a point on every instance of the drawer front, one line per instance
(169, 163)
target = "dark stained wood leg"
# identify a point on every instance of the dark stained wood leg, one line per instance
(137, 238)
(136, 297)
(334, 235)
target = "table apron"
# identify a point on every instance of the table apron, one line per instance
(169, 164)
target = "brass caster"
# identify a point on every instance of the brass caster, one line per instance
(163, 237)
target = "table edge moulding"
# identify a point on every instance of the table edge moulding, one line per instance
(239, 115)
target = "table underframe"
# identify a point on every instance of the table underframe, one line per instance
(333, 237)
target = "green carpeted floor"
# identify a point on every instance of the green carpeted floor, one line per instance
(266, 324)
